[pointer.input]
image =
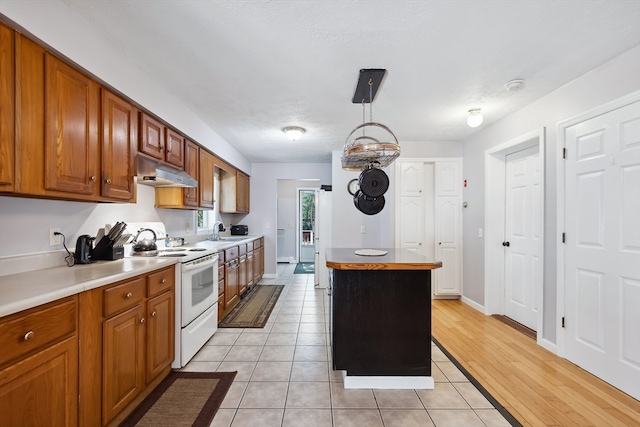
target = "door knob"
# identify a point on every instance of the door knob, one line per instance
(507, 244)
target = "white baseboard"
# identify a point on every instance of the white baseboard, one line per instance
(473, 304)
(270, 276)
(398, 383)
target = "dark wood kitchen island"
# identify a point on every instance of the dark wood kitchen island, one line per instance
(381, 318)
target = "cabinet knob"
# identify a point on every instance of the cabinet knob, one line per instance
(163, 281)
(108, 181)
(128, 295)
(154, 314)
(93, 178)
(142, 321)
(29, 336)
(439, 243)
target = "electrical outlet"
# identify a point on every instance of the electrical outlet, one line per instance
(53, 239)
(363, 229)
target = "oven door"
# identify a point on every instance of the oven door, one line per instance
(199, 287)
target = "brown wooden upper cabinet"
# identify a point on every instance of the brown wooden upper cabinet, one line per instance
(7, 115)
(160, 142)
(119, 132)
(234, 191)
(71, 129)
(205, 183)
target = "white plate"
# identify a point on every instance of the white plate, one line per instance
(370, 252)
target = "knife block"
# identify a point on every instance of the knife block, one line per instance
(106, 250)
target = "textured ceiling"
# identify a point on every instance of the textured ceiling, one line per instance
(250, 68)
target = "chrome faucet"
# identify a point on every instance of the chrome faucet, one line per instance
(218, 226)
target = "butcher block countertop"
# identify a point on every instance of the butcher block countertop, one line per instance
(22, 291)
(395, 259)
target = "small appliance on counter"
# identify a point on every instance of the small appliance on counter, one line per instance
(84, 250)
(239, 230)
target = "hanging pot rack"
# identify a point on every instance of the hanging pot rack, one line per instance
(376, 146)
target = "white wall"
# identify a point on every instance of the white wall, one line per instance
(25, 223)
(263, 218)
(610, 81)
(63, 30)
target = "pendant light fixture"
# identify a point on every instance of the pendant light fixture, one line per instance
(370, 143)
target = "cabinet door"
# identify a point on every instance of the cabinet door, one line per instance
(242, 274)
(448, 279)
(411, 223)
(242, 196)
(206, 179)
(250, 268)
(71, 129)
(119, 136)
(411, 179)
(42, 390)
(160, 334)
(7, 108)
(231, 284)
(192, 167)
(175, 148)
(123, 364)
(151, 137)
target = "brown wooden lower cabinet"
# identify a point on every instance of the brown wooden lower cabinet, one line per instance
(127, 331)
(39, 366)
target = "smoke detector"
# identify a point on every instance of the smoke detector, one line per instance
(514, 84)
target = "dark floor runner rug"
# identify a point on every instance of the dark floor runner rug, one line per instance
(254, 310)
(305, 268)
(506, 414)
(189, 399)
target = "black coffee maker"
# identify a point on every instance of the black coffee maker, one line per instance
(84, 249)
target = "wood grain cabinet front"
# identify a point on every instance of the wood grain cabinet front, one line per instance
(7, 108)
(160, 142)
(39, 366)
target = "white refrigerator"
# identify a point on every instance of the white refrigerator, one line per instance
(322, 237)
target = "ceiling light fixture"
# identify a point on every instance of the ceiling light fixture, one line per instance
(293, 132)
(370, 143)
(514, 84)
(475, 118)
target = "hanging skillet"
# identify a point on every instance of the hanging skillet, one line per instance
(368, 205)
(373, 182)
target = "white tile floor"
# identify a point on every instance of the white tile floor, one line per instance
(285, 377)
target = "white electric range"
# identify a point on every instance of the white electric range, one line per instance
(196, 292)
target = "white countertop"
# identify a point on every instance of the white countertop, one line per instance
(26, 290)
(29, 289)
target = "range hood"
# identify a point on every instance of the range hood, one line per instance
(156, 174)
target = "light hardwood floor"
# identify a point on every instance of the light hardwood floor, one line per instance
(537, 387)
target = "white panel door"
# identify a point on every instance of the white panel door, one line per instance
(523, 234)
(448, 249)
(411, 179)
(412, 223)
(602, 250)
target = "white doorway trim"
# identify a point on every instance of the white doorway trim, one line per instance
(494, 219)
(561, 198)
(299, 219)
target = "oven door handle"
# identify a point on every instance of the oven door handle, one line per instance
(200, 265)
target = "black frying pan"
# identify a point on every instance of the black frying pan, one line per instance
(373, 182)
(368, 205)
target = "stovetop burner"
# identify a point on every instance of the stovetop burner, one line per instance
(172, 254)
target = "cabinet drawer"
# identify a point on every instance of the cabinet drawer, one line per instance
(230, 253)
(221, 257)
(256, 244)
(25, 332)
(220, 287)
(242, 249)
(160, 281)
(220, 271)
(125, 295)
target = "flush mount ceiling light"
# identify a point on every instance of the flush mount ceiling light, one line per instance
(514, 84)
(475, 118)
(370, 143)
(293, 132)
